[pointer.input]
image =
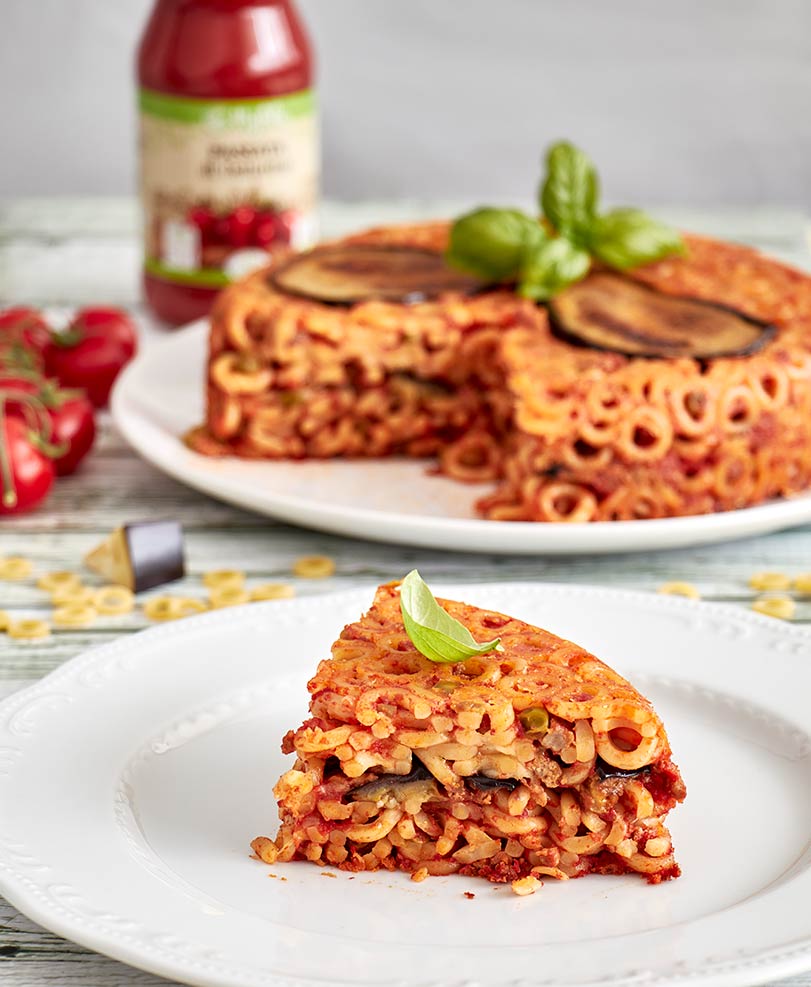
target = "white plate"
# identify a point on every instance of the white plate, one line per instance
(132, 780)
(160, 396)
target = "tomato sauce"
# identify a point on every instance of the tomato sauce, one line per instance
(229, 145)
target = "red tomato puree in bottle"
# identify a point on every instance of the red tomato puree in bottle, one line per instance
(229, 145)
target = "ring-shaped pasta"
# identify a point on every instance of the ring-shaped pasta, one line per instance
(236, 318)
(640, 757)
(644, 435)
(798, 366)
(605, 402)
(236, 374)
(474, 458)
(734, 478)
(581, 845)
(74, 615)
(597, 432)
(770, 385)
(224, 578)
(53, 581)
(224, 414)
(566, 502)
(73, 595)
(694, 448)
(693, 408)
(15, 568)
(273, 591)
(113, 601)
(582, 455)
(738, 409)
(28, 630)
(228, 596)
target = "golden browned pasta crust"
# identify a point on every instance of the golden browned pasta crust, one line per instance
(567, 433)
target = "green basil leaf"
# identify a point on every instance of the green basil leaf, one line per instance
(491, 243)
(626, 238)
(551, 267)
(433, 632)
(570, 191)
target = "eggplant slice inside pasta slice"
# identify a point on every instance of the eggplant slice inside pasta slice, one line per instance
(408, 765)
(610, 312)
(348, 273)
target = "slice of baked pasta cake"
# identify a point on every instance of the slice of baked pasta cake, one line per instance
(520, 757)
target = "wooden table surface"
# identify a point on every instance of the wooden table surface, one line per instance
(62, 253)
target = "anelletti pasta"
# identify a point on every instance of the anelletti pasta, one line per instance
(480, 381)
(532, 761)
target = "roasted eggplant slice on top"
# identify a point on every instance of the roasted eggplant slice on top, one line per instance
(347, 273)
(611, 312)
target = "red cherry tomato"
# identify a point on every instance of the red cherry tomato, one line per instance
(74, 429)
(26, 326)
(26, 473)
(72, 425)
(13, 382)
(92, 363)
(111, 323)
(24, 334)
(19, 380)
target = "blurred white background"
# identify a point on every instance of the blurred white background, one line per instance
(700, 102)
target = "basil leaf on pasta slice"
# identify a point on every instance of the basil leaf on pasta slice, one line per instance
(432, 630)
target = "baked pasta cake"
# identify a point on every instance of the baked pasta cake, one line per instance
(486, 383)
(532, 759)
(636, 390)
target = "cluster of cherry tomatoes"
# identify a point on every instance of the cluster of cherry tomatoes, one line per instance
(50, 383)
(243, 227)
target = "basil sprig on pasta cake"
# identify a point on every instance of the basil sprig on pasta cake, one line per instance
(543, 255)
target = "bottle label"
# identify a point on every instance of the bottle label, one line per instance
(224, 182)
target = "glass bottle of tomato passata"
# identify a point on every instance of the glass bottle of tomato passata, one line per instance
(229, 145)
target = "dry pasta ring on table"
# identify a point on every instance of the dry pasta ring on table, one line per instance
(782, 607)
(221, 578)
(229, 596)
(52, 582)
(114, 600)
(5, 620)
(802, 583)
(172, 607)
(273, 591)
(15, 567)
(769, 580)
(677, 588)
(29, 630)
(314, 567)
(74, 615)
(73, 596)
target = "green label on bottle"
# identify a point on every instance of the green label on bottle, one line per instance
(226, 181)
